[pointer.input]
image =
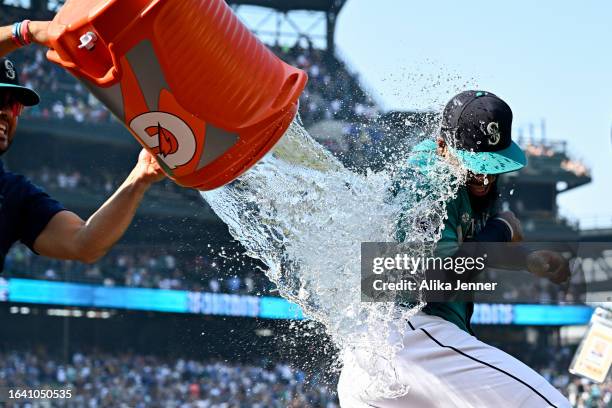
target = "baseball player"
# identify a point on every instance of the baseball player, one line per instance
(442, 363)
(27, 213)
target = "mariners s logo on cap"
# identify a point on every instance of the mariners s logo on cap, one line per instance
(493, 132)
(9, 82)
(9, 69)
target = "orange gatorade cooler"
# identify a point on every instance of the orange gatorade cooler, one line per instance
(187, 78)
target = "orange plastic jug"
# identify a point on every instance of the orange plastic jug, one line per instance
(191, 83)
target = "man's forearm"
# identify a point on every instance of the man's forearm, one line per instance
(36, 29)
(67, 236)
(6, 43)
(107, 225)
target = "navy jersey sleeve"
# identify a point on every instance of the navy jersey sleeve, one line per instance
(37, 209)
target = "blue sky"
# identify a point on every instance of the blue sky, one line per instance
(547, 59)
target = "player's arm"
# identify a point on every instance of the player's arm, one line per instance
(67, 236)
(505, 227)
(37, 30)
(543, 263)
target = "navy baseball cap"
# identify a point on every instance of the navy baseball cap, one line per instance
(477, 127)
(9, 80)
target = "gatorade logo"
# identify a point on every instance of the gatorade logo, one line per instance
(167, 135)
(166, 141)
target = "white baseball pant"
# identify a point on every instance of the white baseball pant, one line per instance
(442, 366)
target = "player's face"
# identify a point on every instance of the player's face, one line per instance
(480, 184)
(10, 109)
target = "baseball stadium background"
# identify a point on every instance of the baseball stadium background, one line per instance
(168, 319)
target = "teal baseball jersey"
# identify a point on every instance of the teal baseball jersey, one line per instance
(461, 223)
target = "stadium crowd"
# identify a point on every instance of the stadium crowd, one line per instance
(72, 179)
(332, 91)
(63, 97)
(129, 380)
(164, 268)
(97, 181)
(144, 268)
(136, 381)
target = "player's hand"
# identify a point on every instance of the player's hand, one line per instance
(510, 218)
(147, 170)
(549, 264)
(39, 30)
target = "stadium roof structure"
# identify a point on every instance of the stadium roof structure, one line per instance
(326, 9)
(280, 5)
(289, 5)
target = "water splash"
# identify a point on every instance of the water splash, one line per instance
(302, 213)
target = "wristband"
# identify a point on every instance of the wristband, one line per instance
(15, 35)
(25, 32)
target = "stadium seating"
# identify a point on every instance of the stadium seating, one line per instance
(138, 381)
(134, 380)
(147, 267)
